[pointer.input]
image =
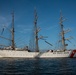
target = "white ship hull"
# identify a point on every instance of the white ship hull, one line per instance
(26, 54)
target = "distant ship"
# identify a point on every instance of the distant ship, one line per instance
(12, 52)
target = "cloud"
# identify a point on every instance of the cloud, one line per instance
(50, 27)
(24, 25)
(24, 30)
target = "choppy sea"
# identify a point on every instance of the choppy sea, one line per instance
(53, 66)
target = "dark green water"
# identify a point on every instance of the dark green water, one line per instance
(53, 66)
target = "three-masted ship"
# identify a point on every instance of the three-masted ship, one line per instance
(13, 52)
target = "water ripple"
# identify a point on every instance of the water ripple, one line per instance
(53, 66)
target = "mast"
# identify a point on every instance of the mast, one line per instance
(13, 44)
(36, 31)
(62, 32)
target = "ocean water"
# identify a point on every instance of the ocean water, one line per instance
(53, 66)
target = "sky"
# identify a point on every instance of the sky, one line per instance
(48, 12)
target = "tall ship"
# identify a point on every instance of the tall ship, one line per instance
(12, 52)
